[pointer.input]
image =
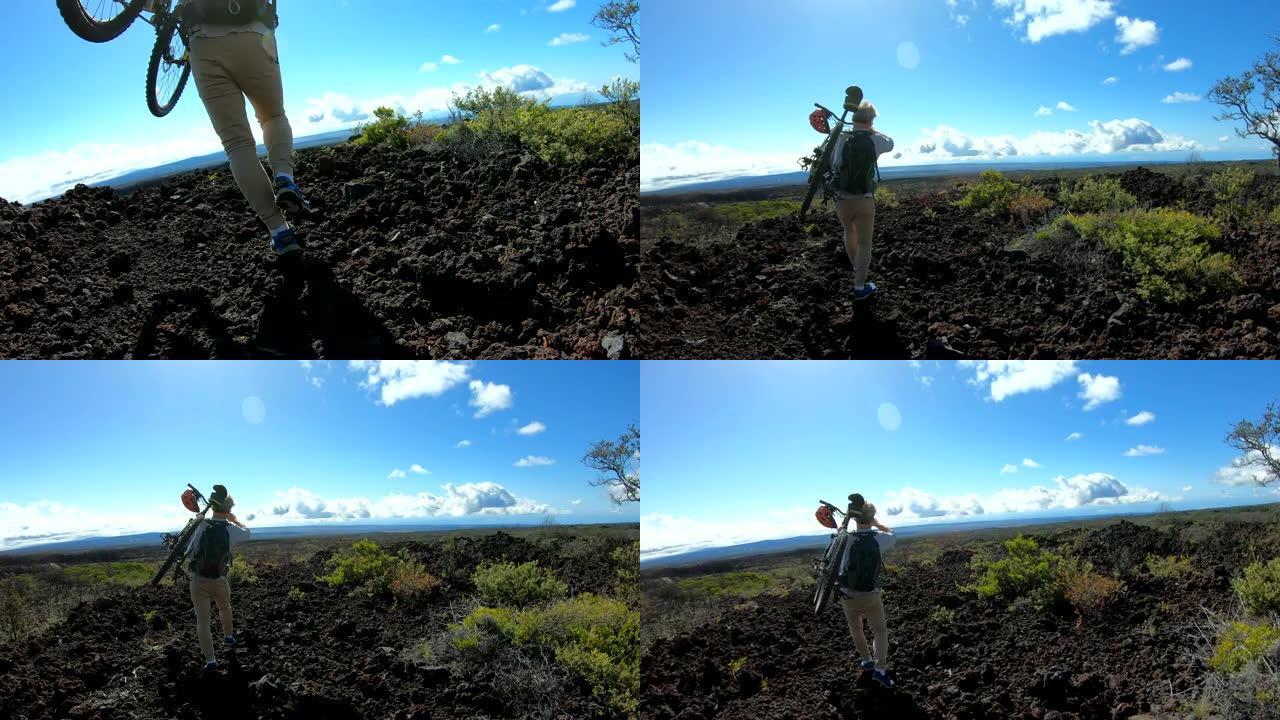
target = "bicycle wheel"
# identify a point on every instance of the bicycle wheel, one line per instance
(168, 70)
(815, 178)
(826, 582)
(99, 20)
(179, 549)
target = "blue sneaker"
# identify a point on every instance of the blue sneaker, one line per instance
(230, 640)
(284, 241)
(288, 197)
(883, 677)
(867, 664)
(867, 291)
(211, 665)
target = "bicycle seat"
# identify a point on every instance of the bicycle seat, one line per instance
(852, 97)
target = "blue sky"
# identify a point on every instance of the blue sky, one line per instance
(729, 84)
(100, 448)
(742, 451)
(75, 109)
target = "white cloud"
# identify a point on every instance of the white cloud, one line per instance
(1065, 106)
(395, 474)
(1112, 80)
(485, 498)
(1178, 65)
(1248, 469)
(532, 428)
(576, 501)
(450, 60)
(1143, 451)
(561, 5)
(1046, 18)
(1028, 462)
(1043, 112)
(534, 461)
(463, 444)
(1223, 138)
(407, 379)
(48, 521)
(1068, 492)
(1096, 390)
(530, 80)
(493, 28)
(1013, 377)
(1180, 97)
(568, 39)
(1008, 469)
(662, 534)
(1134, 33)
(428, 67)
(1142, 418)
(1074, 436)
(489, 397)
(1186, 488)
(1113, 136)
(418, 469)
(663, 166)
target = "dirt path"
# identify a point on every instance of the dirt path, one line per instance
(423, 253)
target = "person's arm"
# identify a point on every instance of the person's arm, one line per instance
(881, 526)
(237, 534)
(195, 537)
(883, 142)
(886, 540)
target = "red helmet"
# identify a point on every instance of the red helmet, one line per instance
(820, 120)
(189, 500)
(824, 516)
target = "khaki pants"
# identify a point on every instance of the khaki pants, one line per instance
(868, 605)
(858, 216)
(228, 69)
(203, 592)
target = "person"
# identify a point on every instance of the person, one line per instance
(210, 553)
(860, 585)
(230, 63)
(856, 157)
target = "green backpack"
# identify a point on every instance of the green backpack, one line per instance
(212, 558)
(856, 171)
(230, 12)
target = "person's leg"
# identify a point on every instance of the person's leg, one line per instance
(853, 615)
(864, 219)
(212, 63)
(260, 78)
(201, 598)
(846, 210)
(221, 590)
(879, 629)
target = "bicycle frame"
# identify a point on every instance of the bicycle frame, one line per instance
(180, 547)
(826, 565)
(824, 163)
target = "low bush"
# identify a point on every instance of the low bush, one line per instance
(943, 616)
(1259, 588)
(1241, 644)
(626, 559)
(623, 97)
(389, 129)
(1229, 189)
(131, 574)
(886, 199)
(561, 136)
(516, 585)
(990, 195)
(378, 573)
(1167, 249)
(744, 585)
(1029, 205)
(409, 581)
(17, 606)
(1027, 572)
(1169, 567)
(1092, 194)
(1087, 590)
(242, 572)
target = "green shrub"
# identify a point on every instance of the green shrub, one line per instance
(516, 585)
(410, 581)
(740, 213)
(131, 574)
(595, 637)
(1093, 194)
(943, 616)
(1229, 188)
(1171, 567)
(1167, 249)
(564, 136)
(626, 559)
(388, 129)
(242, 573)
(1242, 643)
(743, 585)
(1259, 589)
(990, 195)
(17, 606)
(364, 565)
(622, 95)
(1087, 591)
(1029, 204)
(1027, 572)
(886, 199)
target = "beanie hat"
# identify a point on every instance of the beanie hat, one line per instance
(220, 501)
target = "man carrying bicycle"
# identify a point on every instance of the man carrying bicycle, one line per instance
(860, 583)
(210, 552)
(233, 56)
(854, 186)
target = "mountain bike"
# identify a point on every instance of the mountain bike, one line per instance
(827, 568)
(177, 543)
(820, 119)
(102, 20)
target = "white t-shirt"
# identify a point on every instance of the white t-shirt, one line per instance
(883, 144)
(236, 533)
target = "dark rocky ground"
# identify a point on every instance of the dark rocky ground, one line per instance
(1142, 655)
(322, 655)
(430, 252)
(949, 287)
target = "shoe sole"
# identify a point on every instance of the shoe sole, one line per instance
(290, 203)
(294, 248)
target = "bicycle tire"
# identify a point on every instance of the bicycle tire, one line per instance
(86, 27)
(179, 548)
(826, 581)
(816, 177)
(164, 39)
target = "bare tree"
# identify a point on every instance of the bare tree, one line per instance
(618, 17)
(1259, 442)
(617, 465)
(1260, 114)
